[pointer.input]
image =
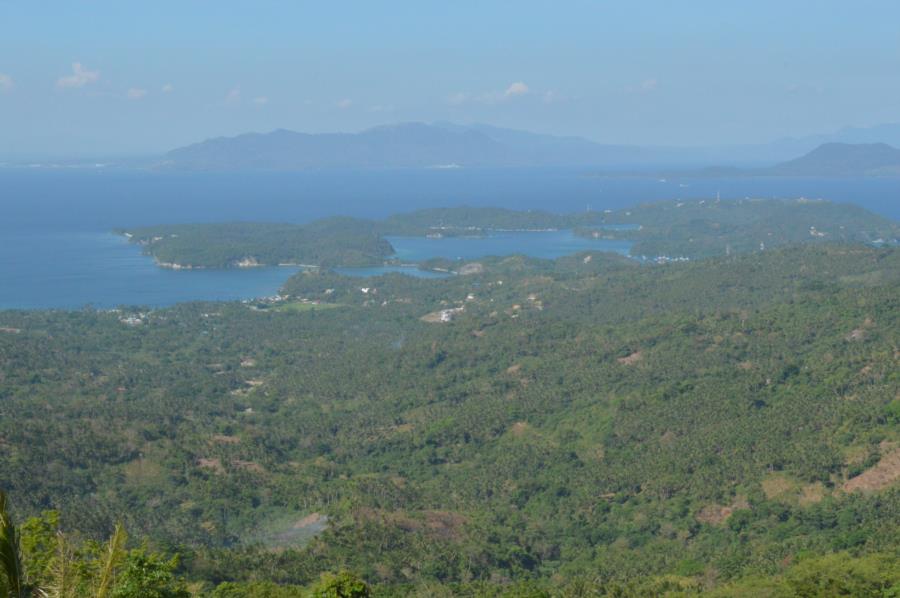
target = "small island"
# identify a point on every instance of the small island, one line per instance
(330, 242)
(666, 231)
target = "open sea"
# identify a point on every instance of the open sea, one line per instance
(57, 251)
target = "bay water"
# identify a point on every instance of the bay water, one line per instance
(57, 249)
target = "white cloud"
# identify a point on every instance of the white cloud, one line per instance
(345, 103)
(516, 89)
(233, 96)
(168, 88)
(459, 98)
(261, 100)
(136, 93)
(6, 83)
(79, 78)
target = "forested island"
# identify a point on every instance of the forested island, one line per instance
(708, 228)
(334, 241)
(582, 426)
(688, 229)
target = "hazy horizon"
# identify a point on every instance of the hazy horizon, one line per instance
(152, 153)
(114, 80)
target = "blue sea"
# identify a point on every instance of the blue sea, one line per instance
(57, 251)
(544, 244)
(409, 270)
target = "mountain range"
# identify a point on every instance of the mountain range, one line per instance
(849, 152)
(406, 145)
(843, 159)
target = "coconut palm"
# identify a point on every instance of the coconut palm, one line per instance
(12, 583)
(62, 579)
(64, 575)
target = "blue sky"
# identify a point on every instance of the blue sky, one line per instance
(155, 75)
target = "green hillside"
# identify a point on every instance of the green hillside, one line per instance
(706, 228)
(586, 425)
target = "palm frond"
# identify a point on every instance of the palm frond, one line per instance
(10, 558)
(63, 583)
(115, 553)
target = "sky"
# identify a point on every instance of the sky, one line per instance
(98, 78)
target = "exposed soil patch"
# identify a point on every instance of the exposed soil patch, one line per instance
(811, 494)
(310, 520)
(718, 514)
(225, 439)
(857, 334)
(248, 466)
(777, 486)
(631, 359)
(518, 428)
(248, 386)
(212, 463)
(300, 531)
(878, 477)
(447, 525)
(714, 514)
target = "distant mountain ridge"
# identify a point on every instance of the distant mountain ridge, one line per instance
(449, 145)
(406, 145)
(826, 160)
(884, 133)
(843, 159)
(401, 145)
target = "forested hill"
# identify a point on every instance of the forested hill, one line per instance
(704, 228)
(334, 241)
(843, 159)
(585, 426)
(872, 158)
(691, 229)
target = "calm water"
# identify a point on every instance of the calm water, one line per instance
(543, 244)
(74, 269)
(56, 250)
(547, 245)
(379, 270)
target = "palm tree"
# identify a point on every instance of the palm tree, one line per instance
(12, 583)
(63, 582)
(63, 579)
(115, 553)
